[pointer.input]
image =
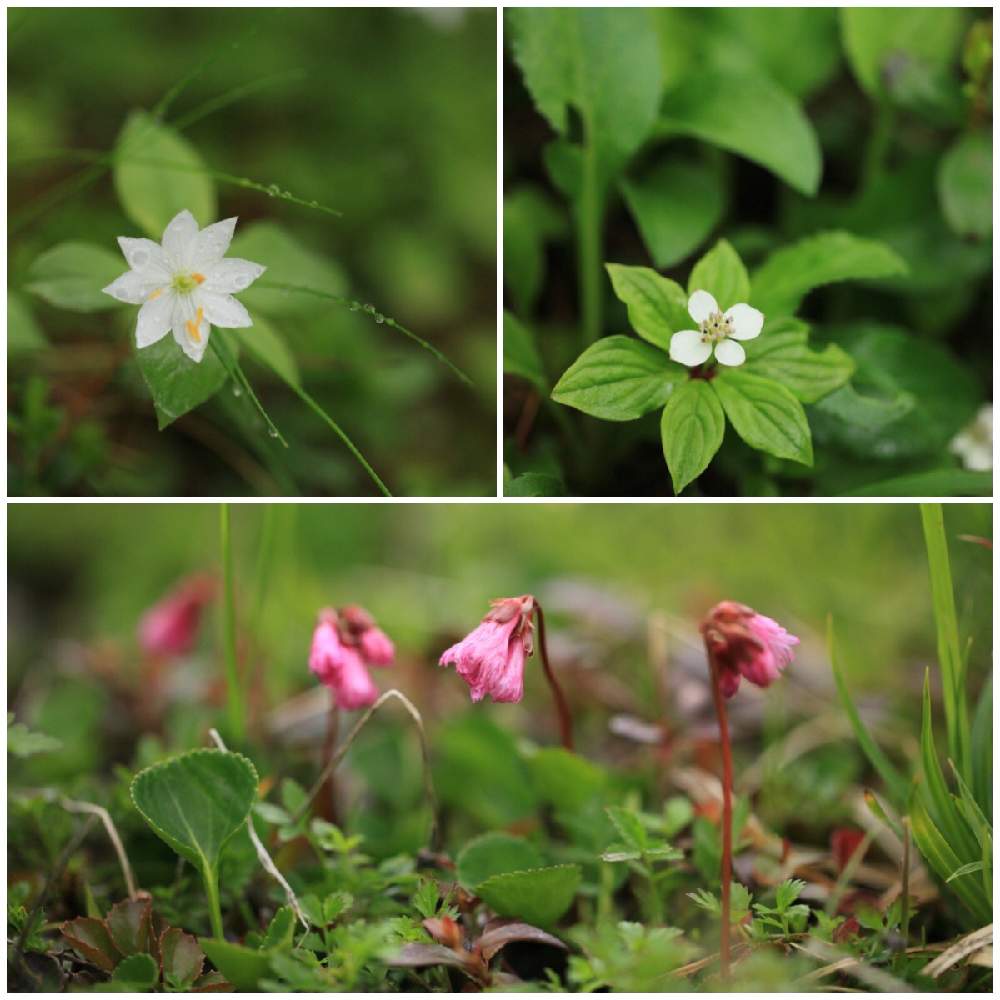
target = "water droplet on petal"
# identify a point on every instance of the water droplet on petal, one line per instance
(138, 258)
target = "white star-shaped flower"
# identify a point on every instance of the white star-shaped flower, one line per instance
(717, 331)
(184, 284)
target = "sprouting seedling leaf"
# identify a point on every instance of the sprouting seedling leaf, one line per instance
(196, 803)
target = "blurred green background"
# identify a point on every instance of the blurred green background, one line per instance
(83, 574)
(388, 116)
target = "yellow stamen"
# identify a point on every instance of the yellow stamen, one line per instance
(155, 295)
(192, 326)
(198, 277)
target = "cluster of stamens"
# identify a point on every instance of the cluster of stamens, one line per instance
(715, 328)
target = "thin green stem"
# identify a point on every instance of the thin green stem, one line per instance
(236, 372)
(211, 879)
(234, 697)
(589, 246)
(336, 428)
(354, 306)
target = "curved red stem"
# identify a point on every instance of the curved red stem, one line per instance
(562, 708)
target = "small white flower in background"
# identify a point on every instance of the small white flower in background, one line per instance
(974, 443)
(185, 284)
(717, 331)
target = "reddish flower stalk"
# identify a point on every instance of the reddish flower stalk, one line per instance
(739, 643)
(490, 659)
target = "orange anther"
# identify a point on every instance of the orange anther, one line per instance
(198, 277)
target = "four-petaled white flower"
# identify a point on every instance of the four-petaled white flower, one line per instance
(184, 285)
(717, 330)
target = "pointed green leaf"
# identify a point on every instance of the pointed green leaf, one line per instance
(691, 428)
(765, 414)
(722, 273)
(657, 306)
(176, 383)
(158, 173)
(618, 378)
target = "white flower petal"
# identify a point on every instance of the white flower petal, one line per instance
(701, 305)
(145, 256)
(223, 310)
(132, 287)
(190, 331)
(177, 237)
(687, 347)
(155, 318)
(231, 275)
(747, 322)
(209, 246)
(728, 352)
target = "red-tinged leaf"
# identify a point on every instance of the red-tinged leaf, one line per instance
(91, 938)
(445, 931)
(212, 982)
(499, 933)
(417, 955)
(180, 956)
(130, 923)
(844, 842)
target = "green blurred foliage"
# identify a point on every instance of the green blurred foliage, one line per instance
(385, 115)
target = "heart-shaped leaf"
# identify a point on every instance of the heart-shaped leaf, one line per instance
(196, 802)
(494, 854)
(539, 896)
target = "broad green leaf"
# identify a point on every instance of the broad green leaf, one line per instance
(530, 220)
(722, 273)
(782, 353)
(691, 429)
(965, 185)
(604, 62)
(657, 306)
(137, 971)
(288, 262)
(71, 276)
(747, 114)
(618, 378)
(243, 967)
(566, 780)
(540, 896)
(765, 414)
(880, 39)
(534, 484)
(24, 335)
(785, 278)
(908, 397)
(494, 854)
(269, 347)
(675, 205)
(180, 956)
(176, 383)
(158, 173)
(197, 802)
(520, 353)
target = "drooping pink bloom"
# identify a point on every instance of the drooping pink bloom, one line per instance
(490, 659)
(345, 643)
(170, 627)
(746, 644)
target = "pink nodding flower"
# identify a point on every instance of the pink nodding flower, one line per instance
(490, 659)
(169, 628)
(345, 643)
(746, 644)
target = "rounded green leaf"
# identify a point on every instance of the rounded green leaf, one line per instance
(157, 174)
(71, 276)
(765, 414)
(176, 383)
(965, 185)
(722, 273)
(495, 854)
(691, 428)
(540, 896)
(748, 114)
(181, 958)
(243, 967)
(618, 378)
(137, 971)
(657, 306)
(196, 802)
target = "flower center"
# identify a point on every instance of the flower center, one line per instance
(715, 328)
(187, 283)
